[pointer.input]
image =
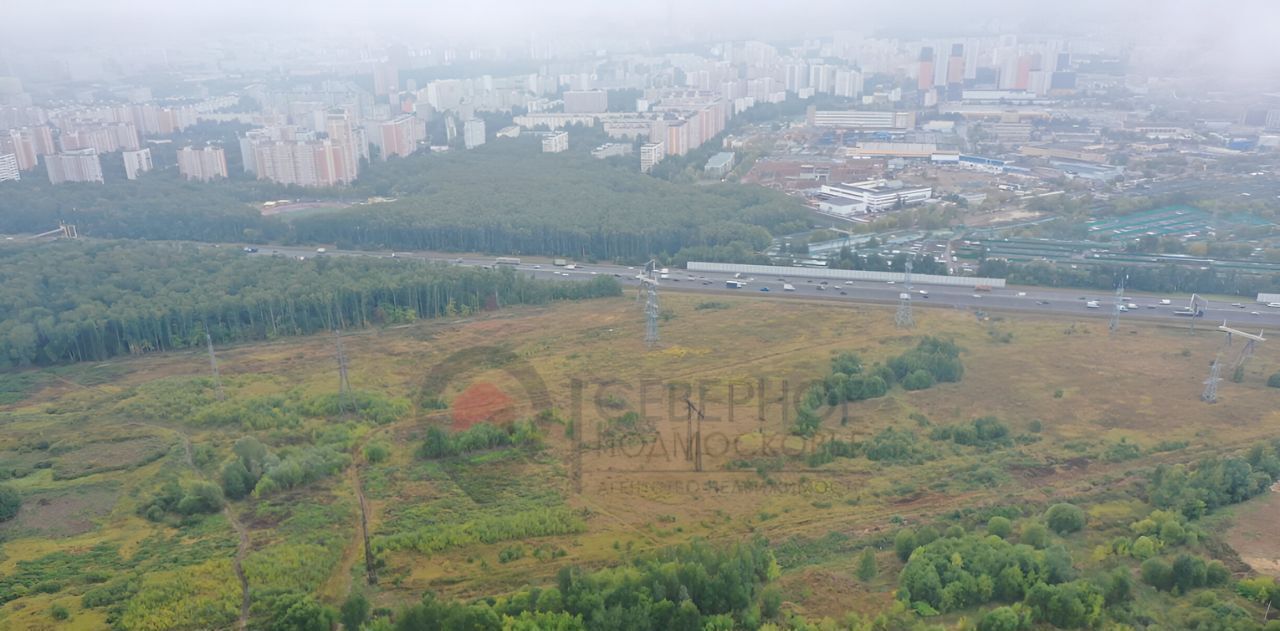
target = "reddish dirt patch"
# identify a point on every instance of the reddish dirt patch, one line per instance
(481, 402)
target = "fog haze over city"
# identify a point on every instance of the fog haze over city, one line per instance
(1234, 36)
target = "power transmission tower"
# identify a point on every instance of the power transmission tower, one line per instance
(344, 386)
(213, 364)
(695, 437)
(1195, 310)
(1251, 342)
(1211, 384)
(649, 284)
(1119, 305)
(1245, 354)
(904, 319)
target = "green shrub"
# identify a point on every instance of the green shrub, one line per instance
(439, 443)
(867, 568)
(299, 467)
(1015, 618)
(1065, 518)
(1157, 574)
(986, 431)
(1034, 534)
(904, 543)
(59, 612)
(10, 503)
(376, 452)
(891, 445)
(999, 526)
(511, 553)
(1274, 380)
(714, 305)
(918, 380)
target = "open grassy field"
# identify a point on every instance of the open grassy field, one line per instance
(90, 446)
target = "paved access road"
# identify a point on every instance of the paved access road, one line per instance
(1069, 302)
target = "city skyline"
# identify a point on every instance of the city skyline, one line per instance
(1168, 30)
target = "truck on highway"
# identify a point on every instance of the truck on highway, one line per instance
(559, 262)
(1092, 304)
(1166, 301)
(321, 250)
(788, 287)
(734, 284)
(982, 287)
(506, 260)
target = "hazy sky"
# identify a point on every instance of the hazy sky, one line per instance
(1237, 33)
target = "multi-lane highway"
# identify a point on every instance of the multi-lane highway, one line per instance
(1071, 302)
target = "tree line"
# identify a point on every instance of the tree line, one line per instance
(1171, 278)
(508, 201)
(81, 301)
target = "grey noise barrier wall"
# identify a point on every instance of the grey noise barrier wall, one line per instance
(843, 274)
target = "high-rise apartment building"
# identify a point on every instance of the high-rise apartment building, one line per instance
(555, 142)
(386, 79)
(924, 77)
(74, 166)
(304, 163)
(9, 168)
(348, 140)
(1272, 120)
(473, 133)
(106, 138)
(955, 65)
(205, 164)
(586, 101)
(676, 142)
(651, 153)
(848, 83)
(154, 120)
(400, 136)
(136, 162)
(27, 145)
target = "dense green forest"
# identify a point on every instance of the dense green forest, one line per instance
(507, 199)
(502, 201)
(73, 301)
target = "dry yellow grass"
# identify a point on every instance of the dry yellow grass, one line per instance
(1141, 384)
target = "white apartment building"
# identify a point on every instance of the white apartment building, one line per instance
(208, 163)
(651, 153)
(9, 168)
(74, 166)
(136, 162)
(473, 133)
(873, 196)
(555, 142)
